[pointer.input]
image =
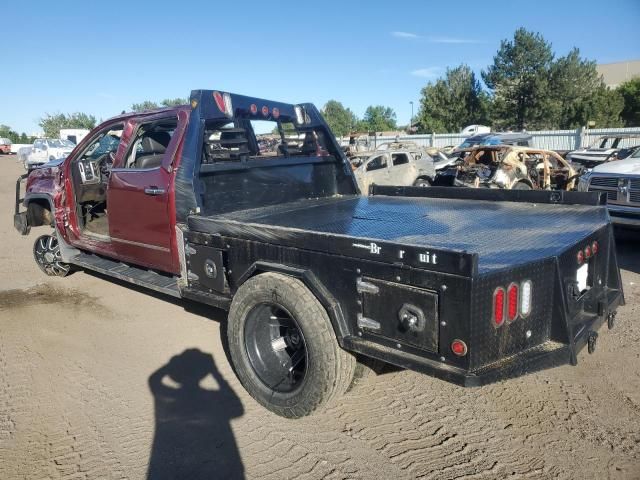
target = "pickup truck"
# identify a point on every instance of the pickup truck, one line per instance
(470, 286)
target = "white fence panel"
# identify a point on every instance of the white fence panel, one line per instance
(547, 139)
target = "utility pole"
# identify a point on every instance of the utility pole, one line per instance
(411, 121)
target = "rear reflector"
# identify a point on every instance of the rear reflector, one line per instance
(525, 298)
(512, 302)
(299, 115)
(217, 96)
(459, 348)
(223, 102)
(498, 306)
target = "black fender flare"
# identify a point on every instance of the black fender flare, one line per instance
(29, 198)
(316, 287)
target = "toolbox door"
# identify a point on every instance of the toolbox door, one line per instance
(402, 313)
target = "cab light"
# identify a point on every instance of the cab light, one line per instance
(580, 257)
(253, 108)
(512, 302)
(498, 306)
(525, 298)
(595, 246)
(275, 112)
(459, 348)
(587, 252)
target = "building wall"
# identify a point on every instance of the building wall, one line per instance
(616, 73)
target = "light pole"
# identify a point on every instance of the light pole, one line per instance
(411, 120)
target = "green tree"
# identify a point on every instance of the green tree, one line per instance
(630, 92)
(519, 81)
(341, 120)
(452, 102)
(149, 105)
(578, 95)
(8, 132)
(378, 118)
(52, 124)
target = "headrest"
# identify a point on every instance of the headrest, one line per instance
(155, 142)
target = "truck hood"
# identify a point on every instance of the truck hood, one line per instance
(628, 166)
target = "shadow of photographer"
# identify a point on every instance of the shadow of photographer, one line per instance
(193, 437)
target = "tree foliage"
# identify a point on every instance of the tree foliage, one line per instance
(452, 102)
(378, 119)
(341, 120)
(630, 92)
(149, 105)
(52, 124)
(15, 137)
(519, 81)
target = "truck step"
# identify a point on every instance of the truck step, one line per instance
(137, 275)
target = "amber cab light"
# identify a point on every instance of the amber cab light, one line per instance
(498, 306)
(459, 348)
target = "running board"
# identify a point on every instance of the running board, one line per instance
(136, 275)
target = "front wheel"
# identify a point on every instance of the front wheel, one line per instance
(46, 252)
(283, 347)
(422, 182)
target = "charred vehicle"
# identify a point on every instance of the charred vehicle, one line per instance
(507, 167)
(391, 166)
(314, 275)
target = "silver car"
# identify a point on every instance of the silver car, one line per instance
(396, 167)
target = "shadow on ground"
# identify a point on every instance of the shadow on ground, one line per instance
(193, 437)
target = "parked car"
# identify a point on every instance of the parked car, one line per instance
(5, 146)
(462, 284)
(621, 182)
(606, 149)
(507, 138)
(392, 166)
(508, 167)
(45, 150)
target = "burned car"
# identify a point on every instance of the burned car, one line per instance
(392, 166)
(508, 167)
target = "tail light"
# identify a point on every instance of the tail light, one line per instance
(498, 306)
(512, 302)
(265, 111)
(595, 246)
(459, 348)
(580, 257)
(587, 252)
(525, 298)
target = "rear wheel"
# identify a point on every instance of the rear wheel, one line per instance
(283, 347)
(46, 252)
(422, 182)
(521, 186)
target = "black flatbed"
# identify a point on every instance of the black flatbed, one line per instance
(502, 234)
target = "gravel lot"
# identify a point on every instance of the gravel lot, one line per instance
(88, 389)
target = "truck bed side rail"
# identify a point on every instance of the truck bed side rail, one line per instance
(491, 194)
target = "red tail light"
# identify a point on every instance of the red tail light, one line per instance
(498, 306)
(512, 302)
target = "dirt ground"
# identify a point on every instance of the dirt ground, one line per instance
(88, 389)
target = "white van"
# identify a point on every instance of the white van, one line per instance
(475, 129)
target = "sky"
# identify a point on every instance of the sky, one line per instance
(100, 57)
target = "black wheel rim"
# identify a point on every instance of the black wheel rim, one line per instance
(47, 254)
(276, 347)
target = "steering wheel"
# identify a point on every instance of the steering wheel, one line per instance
(106, 163)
